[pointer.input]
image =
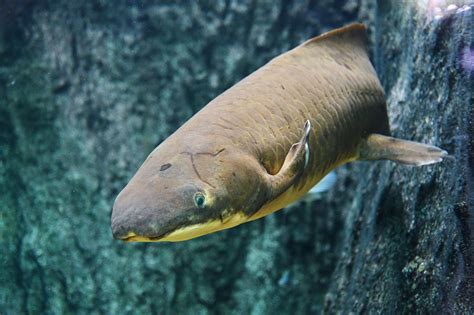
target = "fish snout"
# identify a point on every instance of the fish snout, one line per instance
(144, 215)
(119, 230)
(139, 222)
(130, 219)
(126, 226)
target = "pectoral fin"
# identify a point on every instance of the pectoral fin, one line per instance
(379, 147)
(295, 162)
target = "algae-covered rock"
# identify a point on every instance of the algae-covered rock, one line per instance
(89, 88)
(407, 244)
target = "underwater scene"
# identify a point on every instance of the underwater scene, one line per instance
(236, 157)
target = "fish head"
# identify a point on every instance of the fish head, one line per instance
(186, 195)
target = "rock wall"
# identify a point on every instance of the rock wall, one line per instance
(89, 88)
(408, 233)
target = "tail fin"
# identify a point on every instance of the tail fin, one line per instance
(378, 147)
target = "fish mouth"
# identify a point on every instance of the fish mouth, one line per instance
(132, 237)
(187, 232)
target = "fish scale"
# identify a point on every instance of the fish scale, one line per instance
(317, 87)
(245, 154)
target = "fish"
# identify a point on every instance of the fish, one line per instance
(265, 142)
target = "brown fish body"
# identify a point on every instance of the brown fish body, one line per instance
(239, 147)
(328, 80)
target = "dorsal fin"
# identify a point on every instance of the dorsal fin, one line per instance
(348, 42)
(353, 34)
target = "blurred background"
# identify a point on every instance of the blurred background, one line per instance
(89, 88)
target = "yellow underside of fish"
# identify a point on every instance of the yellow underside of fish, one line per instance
(293, 194)
(194, 230)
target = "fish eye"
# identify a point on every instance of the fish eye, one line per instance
(199, 200)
